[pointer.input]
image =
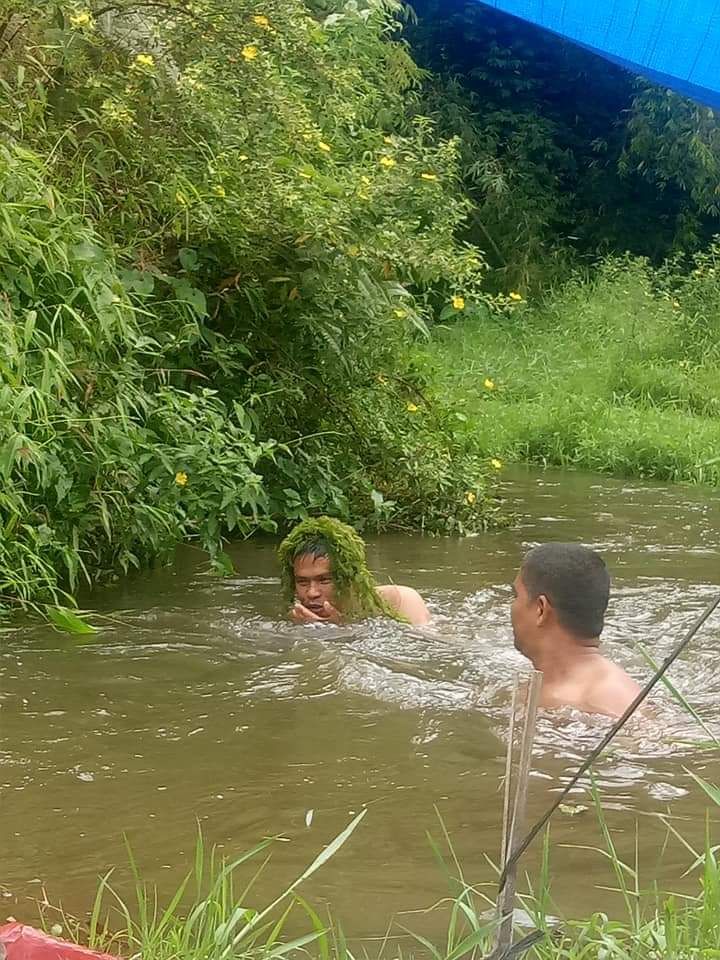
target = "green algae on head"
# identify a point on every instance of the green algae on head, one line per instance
(355, 586)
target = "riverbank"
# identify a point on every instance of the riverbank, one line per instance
(619, 373)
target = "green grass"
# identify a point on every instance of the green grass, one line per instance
(620, 374)
(212, 914)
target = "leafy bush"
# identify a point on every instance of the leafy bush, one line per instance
(221, 229)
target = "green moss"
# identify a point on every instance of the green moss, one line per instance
(355, 586)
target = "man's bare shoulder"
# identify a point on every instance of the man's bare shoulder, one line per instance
(406, 601)
(600, 687)
(615, 690)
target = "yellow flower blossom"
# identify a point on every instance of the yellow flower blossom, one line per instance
(496, 464)
(428, 176)
(249, 51)
(219, 190)
(260, 20)
(82, 19)
(243, 156)
(400, 313)
(387, 162)
(412, 407)
(489, 384)
(353, 250)
(365, 180)
(470, 498)
(325, 147)
(458, 302)
(181, 198)
(145, 60)
(388, 139)
(517, 297)
(181, 478)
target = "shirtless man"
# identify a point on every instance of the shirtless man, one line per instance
(323, 594)
(559, 601)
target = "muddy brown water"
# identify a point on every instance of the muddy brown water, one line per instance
(199, 704)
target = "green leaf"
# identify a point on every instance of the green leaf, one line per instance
(192, 296)
(69, 622)
(222, 564)
(712, 791)
(188, 258)
(88, 252)
(8, 454)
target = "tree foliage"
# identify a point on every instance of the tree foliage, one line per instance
(221, 225)
(565, 155)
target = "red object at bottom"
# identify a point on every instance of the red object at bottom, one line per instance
(21, 942)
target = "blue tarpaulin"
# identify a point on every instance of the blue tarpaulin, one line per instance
(675, 43)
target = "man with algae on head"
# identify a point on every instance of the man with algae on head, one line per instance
(325, 575)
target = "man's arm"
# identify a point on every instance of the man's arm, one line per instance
(407, 602)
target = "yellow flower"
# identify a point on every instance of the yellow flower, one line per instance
(388, 139)
(470, 497)
(387, 162)
(428, 176)
(400, 314)
(260, 20)
(249, 52)
(517, 297)
(365, 180)
(325, 147)
(412, 407)
(219, 190)
(181, 198)
(676, 304)
(489, 384)
(353, 250)
(496, 464)
(82, 19)
(243, 156)
(145, 60)
(181, 478)
(458, 302)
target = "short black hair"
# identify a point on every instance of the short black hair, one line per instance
(315, 548)
(576, 582)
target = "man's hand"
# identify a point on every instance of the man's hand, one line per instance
(301, 614)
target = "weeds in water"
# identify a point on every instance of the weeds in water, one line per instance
(210, 916)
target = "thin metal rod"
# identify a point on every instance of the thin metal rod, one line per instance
(616, 727)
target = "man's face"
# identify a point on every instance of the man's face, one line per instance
(314, 584)
(523, 616)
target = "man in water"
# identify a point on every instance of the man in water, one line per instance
(559, 601)
(324, 573)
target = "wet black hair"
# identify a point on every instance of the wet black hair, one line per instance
(313, 548)
(576, 582)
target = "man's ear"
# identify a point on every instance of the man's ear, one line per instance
(543, 610)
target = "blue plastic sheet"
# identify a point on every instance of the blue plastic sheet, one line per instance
(675, 43)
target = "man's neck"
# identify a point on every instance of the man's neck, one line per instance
(562, 656)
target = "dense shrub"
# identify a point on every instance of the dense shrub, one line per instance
(220, 231)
